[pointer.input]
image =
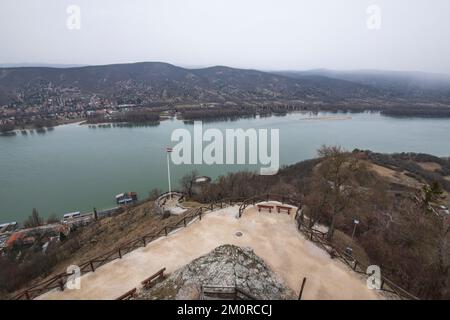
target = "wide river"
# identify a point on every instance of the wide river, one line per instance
(75, 167)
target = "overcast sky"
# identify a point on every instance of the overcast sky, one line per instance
(261, 34)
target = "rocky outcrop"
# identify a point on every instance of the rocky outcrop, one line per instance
(228, 266)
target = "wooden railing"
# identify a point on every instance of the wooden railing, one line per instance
(334, 251)
(302, 287)
(319, 238)
(59, 281)
(150, 281)
(147, 283)
(161, 200)
(314, 235)
(128, 295)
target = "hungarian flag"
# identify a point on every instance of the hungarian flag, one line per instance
(168, 149)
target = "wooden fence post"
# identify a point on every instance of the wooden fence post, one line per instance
(92, 266)
(143, 240)
(301, 289)
(120, 254)
(184, 221)
(165, 231)
(354, 265)
(61, 282)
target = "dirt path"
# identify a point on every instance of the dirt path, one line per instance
(272, 236)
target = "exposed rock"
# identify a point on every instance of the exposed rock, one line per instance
(227, 265)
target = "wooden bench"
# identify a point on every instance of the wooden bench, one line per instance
(128, 295)
(148, 283)
(264, 206)
(287, 209)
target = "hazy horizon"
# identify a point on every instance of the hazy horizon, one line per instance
(66, 66)
(266, 35)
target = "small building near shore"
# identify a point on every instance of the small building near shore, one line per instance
(126, 197)
(10, 226)
(202, 179)
(199, 182)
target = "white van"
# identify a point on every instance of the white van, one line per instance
(71, 215)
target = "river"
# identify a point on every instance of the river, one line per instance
(76, 167)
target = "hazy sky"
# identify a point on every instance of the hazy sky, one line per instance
(262, 34)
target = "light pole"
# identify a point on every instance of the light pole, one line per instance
(355, 223)
(168, 151)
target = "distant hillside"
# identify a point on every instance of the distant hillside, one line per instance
(417, 85)
(155, 81)
(37, 64)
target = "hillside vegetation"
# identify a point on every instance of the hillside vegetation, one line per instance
(22, 268)
(393, 196)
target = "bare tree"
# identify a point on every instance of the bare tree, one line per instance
(52, 219)
(154, 194)
(317, 199)
(431, 193)
(338, 172)
(34, 220)
(187, 182)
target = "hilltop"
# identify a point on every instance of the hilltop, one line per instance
(225, 266)
(400, 226)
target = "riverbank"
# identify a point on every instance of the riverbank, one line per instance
(224, 112)
(29, 128)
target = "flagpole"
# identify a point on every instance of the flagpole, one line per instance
(168, 174)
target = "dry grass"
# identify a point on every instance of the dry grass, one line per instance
(107, 234)
(342, 241)
(191, 204)
(430, 166)
(112, 232)
(383, 171)
(395, 176)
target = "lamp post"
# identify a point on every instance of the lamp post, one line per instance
(355, 223)
(168, 151)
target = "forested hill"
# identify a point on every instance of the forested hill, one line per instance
(155, 81)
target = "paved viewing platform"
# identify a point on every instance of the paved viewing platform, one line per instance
(273, 236)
